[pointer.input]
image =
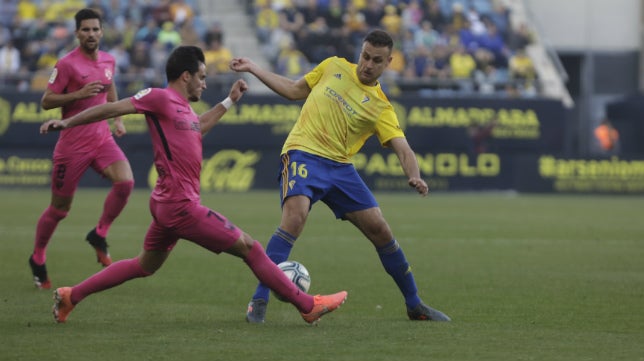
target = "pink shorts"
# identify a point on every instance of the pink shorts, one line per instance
(191, 221)
(70, 167)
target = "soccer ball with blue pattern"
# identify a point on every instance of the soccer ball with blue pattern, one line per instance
(297, 273)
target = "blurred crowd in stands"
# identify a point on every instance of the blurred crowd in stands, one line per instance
(441, 46)
(138, 33)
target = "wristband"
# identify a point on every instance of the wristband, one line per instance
(227, 103)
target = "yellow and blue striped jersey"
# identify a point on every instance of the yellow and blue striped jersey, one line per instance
(341, 113)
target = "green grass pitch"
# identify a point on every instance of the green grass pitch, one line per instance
(524, 277)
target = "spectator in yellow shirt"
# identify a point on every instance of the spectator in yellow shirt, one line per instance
(291, 62)
(266, 21)
(27, 12)
(462, 64)
(521, 66)
(461, 68)
(217, 57)
(180, 12)
(391, 21)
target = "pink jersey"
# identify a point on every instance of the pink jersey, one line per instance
(176, 142)
(71, 73)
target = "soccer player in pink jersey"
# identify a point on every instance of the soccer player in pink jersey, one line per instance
(81, 79)
(175, 203)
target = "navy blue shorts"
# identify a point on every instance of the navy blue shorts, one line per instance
(336, 184)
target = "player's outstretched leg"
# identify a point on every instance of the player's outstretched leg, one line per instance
(62, 304)
(311, 307)
(323, 305)
(65, 298)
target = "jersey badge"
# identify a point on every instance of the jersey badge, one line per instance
(291, 184)
(338, 75)
(142, 93)
(52, 77)
(365, 99)
(108, 74)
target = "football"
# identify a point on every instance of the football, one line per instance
(297, 273)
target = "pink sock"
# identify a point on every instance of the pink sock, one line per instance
(269, 274)
(113, 275)
(114, 204)
(44, 229)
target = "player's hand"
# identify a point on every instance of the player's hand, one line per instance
(237, 90)
(52, 125)
(420, 186)
(241, 64)
(90, 89)
(119, 128)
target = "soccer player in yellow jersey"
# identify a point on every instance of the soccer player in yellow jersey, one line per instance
(344, 106)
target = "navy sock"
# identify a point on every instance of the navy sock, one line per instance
(278, 249)
(395, 263)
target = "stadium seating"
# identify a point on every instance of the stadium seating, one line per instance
(284, 30)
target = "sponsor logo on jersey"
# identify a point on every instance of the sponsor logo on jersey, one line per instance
(53, 76)
(142, 93)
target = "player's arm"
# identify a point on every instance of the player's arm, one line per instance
(409, 164)
(51, 99)
(288, 88)
(90, 115)
(210, 118)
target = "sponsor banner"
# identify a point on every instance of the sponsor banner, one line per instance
(444, 171)
(551, 173)
(30, 168)
(264, 121)
(514, 125)
(240, 170)
(242, 152)
(20, 119)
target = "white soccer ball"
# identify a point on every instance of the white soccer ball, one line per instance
(297, 273)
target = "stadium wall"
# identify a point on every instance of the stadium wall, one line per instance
(525, 150)
(583, 25)
(600, 45)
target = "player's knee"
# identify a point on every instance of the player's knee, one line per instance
(147, 272)
(243, 246)
(379, 233)
(150, 261)
(248, 242)
(58, 211)
(123, 189)
(148, 268)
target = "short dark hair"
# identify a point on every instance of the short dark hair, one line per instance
(379, 38)
(183, 58)
(85, 14)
